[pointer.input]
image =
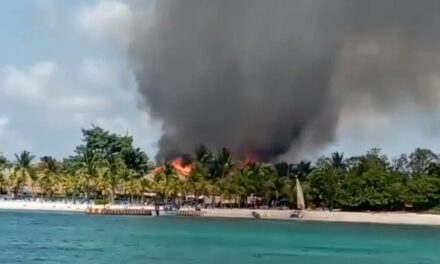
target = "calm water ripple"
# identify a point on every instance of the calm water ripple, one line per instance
(40, 237)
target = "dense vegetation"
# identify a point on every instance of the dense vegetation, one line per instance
(107, 166)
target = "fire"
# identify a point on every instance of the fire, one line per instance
(249, 158)
(181, 167)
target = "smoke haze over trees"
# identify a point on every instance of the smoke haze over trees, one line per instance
(276, 77)
(107, 167)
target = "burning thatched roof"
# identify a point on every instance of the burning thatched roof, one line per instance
(182, 170)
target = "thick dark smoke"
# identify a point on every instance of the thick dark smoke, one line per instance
(268, 76)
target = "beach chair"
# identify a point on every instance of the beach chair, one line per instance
(256, 215)
(297, 214)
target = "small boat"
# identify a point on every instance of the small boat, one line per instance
(297, 214)
(169, 212)
(256, 215)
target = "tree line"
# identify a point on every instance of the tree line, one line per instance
(107, 166)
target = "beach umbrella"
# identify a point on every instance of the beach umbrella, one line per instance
(299, 196)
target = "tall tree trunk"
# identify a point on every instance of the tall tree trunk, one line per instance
(213, 201)
(195, 199)
(112, 195)
(32, 190)
(88, 192)
(15, 191)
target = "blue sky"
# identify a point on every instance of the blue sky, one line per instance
(63, 67)
(60, 70)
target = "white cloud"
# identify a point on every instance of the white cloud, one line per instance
(29, 84)
(106, 76)
(145, 131)
(10, 139)
(4, 120)
(48, 11)
(116, 21)
(97, 71)
(109, 19)
(48, 108)
(81, 103)
(45, 85)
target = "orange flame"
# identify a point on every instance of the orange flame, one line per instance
(180, 167)
(249, 158)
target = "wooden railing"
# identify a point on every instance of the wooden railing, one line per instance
(190, 213)
(127, 211)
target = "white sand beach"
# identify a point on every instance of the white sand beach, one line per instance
(42, 206)
(57, 206)
(349, 217)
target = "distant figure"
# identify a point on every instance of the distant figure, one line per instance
(297, 214)
(156, 207)
(256, 215)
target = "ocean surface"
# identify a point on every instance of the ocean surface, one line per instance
(40, 237)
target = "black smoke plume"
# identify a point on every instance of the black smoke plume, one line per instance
(267, 77)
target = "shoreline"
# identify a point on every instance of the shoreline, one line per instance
(388, 218)
(393, 218)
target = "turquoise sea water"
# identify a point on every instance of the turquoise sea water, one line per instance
(39, 237)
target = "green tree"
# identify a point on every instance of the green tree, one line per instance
(420, 160)
(373, 190)
(4, 166)
(70, 184)
(337, 161)
(195, 182)
(24, 172)
(107, 145)
(203, 156)
(401, 164)
(424, 192)
(86, 166)
(111, 175)
(134, 185)
(302, 169)
(261, 177)
(324, 184)
(49, 172)
(223, 163)
(164, 180)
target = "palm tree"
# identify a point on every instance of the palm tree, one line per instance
(203, 155)
(70, 184)
(135, 186)
(87, 170)
(3, 181)
(279, 184)
(193, 181)
(4, 164)
(48, 172)
(223, 162)
(163, 181)
(24, 172)
(111, 174)
(337, 160)
(302, 169)
(260, 177)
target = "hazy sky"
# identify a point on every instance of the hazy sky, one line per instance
(63, 67)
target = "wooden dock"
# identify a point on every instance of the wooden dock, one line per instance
(127, 211)
(139, 211)
(190, 213)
